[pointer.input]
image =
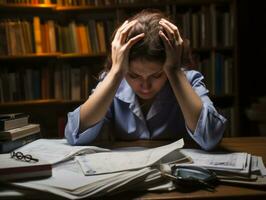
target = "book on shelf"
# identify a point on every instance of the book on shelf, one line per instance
(28, 2)
(12, 121)
(21, 37)
(50, 81)
(10, 145)
(19, 132)
(218, 73)
(13, 169)
(37, 34)
(101, 36)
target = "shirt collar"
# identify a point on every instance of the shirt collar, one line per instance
(125, 92)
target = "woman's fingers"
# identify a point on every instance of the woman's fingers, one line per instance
(119, 29)
(170, 33)
(122, 34)
(174, 28)
(134, 40)
(171, 30)
(165, 39)
(125, 31)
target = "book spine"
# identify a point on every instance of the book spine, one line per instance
(8, 146)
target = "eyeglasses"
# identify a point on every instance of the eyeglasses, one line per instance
(20, 156)
(192, 177)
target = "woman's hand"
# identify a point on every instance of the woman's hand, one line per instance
(173, 46)
(121, 47)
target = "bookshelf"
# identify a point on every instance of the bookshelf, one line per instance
(53, 50)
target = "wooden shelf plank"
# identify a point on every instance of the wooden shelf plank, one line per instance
(41, 102)
(27, 7)
(49, 56)
(29, 56)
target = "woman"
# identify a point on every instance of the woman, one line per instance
(146, 91)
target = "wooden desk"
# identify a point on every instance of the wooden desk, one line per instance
(253, 145)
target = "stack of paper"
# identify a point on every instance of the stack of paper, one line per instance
(72, 185)
(137, 169)
(238, 167)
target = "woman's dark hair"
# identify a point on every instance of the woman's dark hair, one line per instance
(151, 47)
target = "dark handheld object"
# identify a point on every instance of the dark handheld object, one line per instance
(190, 177)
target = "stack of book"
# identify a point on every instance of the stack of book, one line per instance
(16, 131)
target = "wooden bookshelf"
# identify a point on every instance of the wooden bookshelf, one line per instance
(70, 57)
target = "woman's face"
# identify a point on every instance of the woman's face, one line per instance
(145, 78)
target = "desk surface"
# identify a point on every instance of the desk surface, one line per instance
(253, 145)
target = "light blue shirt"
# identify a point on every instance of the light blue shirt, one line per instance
(163, 121)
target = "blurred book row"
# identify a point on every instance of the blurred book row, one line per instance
(208, 26)
(64, 81)
(16, 131)
(21, 37)
(50, 82)
(218, 71)
(62, 2)
(205, 27)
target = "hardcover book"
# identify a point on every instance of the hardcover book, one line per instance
(7, 146)
(20, 132)
(13, 120)
(13, 169)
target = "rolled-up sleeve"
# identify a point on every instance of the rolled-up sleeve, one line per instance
(211, 125)
(72, 134)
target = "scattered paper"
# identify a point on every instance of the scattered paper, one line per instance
(235, 161)
(109, 162)
(56, 150)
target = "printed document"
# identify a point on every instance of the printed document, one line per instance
(116, 161)
(238, 162)
(56, 150)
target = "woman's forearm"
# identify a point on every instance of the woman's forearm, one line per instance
(187, 98)
(96, 106)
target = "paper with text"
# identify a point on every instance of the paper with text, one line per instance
(238, 162)
(109, 162)
(56, 150)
